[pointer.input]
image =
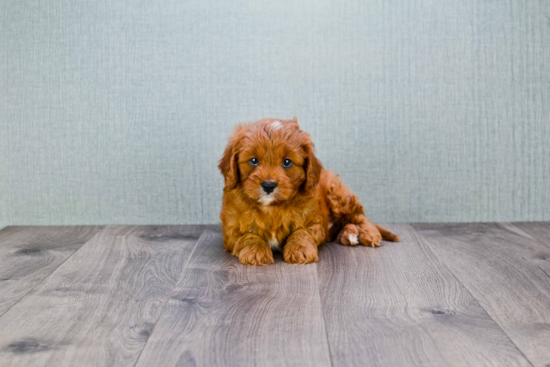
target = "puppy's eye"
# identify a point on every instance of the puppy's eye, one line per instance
(287, 163)
(254, 162)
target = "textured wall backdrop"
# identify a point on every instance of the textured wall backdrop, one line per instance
(117, 111)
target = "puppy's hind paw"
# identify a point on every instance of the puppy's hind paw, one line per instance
(370, 238)
(349, 235)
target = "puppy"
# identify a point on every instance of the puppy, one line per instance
(277, 196)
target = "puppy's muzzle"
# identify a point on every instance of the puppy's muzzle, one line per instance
(269, 186)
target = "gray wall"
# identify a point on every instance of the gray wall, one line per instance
(117, 111)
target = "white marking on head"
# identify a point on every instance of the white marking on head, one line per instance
(274, 244)
(353, 239)
(276, 125)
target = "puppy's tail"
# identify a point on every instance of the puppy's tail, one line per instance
(387, 235)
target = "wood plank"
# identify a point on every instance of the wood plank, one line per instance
(223, 313)
(99, 307)
(30, 254)
(538, 230)
(398, 305)
(507, 271)
(7, 231)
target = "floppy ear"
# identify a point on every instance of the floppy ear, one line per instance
(229, 162)
(229, 167)
(312, 165)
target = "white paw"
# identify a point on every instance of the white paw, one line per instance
(353, 239)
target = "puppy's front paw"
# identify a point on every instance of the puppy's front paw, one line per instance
(256, 255)
(297, 253)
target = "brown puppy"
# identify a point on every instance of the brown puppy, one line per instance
(277, 196)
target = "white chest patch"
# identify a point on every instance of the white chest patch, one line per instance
(330, 224)
(274, 244)
(266, 199)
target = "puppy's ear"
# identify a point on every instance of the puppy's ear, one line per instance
(229, 167)
(312, 165)
(229, 162)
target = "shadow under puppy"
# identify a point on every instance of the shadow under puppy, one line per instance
(277, 196)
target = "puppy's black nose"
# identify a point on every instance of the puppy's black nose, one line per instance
(269, 186)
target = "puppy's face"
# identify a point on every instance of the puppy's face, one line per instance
(271, 164)
(271, 160)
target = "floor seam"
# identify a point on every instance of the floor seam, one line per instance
(323, 313)
(102, 228)
(531, 236)
(170, 296)
(469, 292)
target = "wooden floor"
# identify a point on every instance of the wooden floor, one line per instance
(447, 295)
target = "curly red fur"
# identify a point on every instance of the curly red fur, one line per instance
(309, 206)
